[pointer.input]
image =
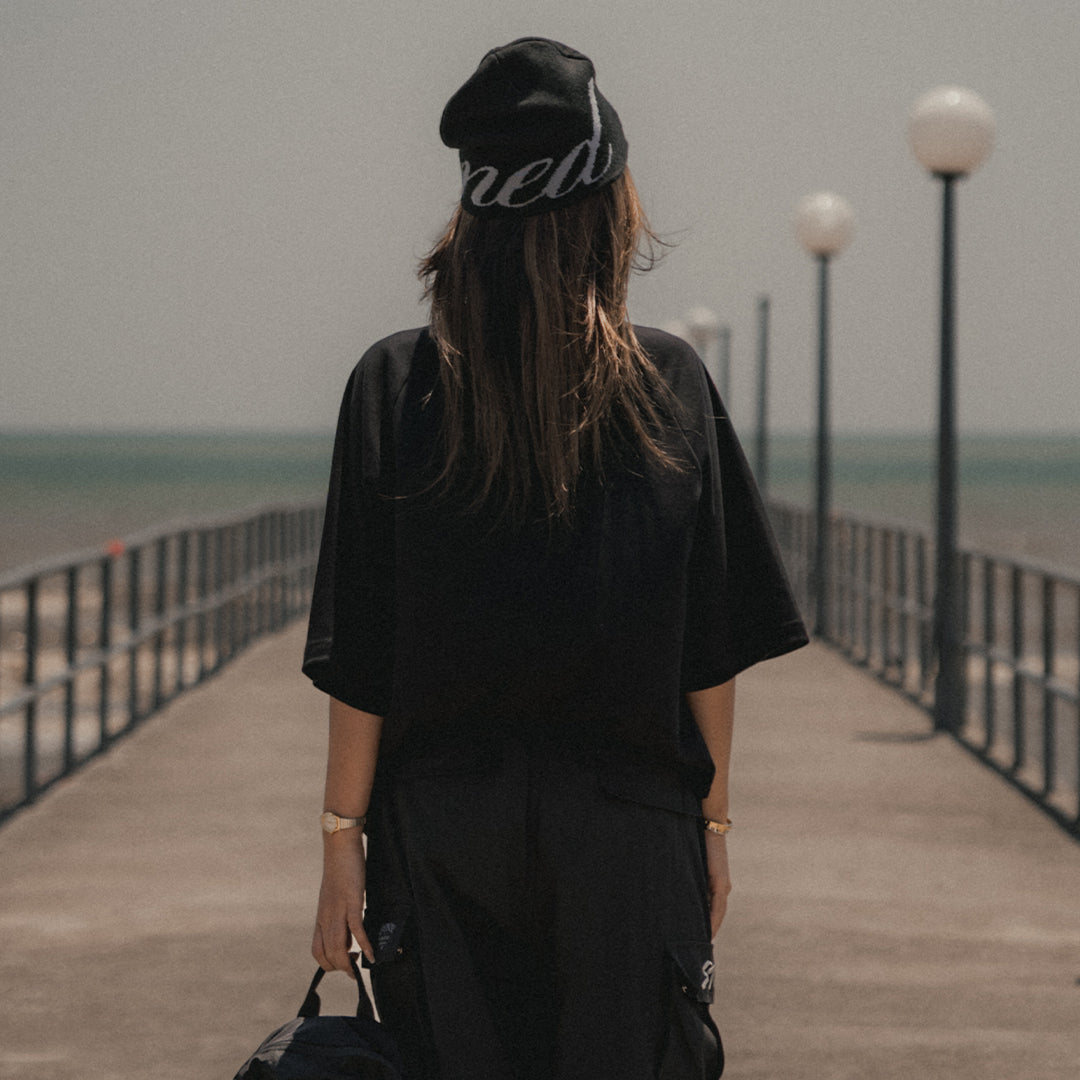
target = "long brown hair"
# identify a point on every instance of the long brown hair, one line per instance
(542, 374)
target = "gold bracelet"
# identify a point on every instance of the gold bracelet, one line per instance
(332, 823)
(721, 828)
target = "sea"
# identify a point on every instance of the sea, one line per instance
(63, 493)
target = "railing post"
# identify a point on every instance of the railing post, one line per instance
(236, 581)
(887, 550)
(32, 631)
(990, 642)
(868, 595)
(71, 648)
(1049, 732)
(202, 579)
(218, 588)
(295, 573)
(183, 560)
(852, 605)
(251, 594)
(964, 629)
(105, 648)
(134, 621)
(279, 577)
(1017, 602)
(160, 570)
(266, 584)
(903, 552)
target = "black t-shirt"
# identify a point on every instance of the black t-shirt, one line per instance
(578, 641)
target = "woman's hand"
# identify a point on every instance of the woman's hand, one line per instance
(719, 878)
(714, 711)
(352, 749)
(341, 902)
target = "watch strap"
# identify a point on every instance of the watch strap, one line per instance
(332, 823)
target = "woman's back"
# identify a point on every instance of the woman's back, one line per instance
(580, 635)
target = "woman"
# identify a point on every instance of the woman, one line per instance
(544, 563)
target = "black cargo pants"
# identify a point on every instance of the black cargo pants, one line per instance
(530, 926)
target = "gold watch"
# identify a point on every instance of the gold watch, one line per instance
(332, 823)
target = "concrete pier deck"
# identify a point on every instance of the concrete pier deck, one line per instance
(898, 911)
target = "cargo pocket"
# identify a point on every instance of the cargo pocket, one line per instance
(398, 986)
(694, 1050)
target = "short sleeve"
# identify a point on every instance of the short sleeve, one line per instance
(349, 652)
(740, 609)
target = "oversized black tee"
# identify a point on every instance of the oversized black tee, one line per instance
(575, 641)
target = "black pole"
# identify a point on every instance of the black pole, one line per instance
(948, 690)
(761, 469)
(724, 373)
(824, 462)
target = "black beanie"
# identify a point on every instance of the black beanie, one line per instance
(533, 131)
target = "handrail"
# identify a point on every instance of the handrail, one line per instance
(94, 643)
(1021, 642)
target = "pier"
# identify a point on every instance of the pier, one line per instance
(898, 910)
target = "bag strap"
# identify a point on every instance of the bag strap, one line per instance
(312, 1003)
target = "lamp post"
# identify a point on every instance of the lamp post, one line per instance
(724, 366)
(823, 225)
(951, 131)
(761, 464)
(703, 327)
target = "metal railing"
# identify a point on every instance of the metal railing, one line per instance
(1021, 642)
(92, 645)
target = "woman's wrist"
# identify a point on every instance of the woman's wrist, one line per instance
(717, 826)
(344, 840)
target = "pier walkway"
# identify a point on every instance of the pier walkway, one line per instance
(898, 911)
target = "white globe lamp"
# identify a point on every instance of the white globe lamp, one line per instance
(824, 223)
(951, 131)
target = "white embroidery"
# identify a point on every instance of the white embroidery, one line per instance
(707, 971)
(537, 171)
(481, 189)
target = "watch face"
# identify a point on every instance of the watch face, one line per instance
(329, 822)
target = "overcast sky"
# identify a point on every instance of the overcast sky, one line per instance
(210, 208)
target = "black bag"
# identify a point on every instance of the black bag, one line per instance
(314, 1047)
